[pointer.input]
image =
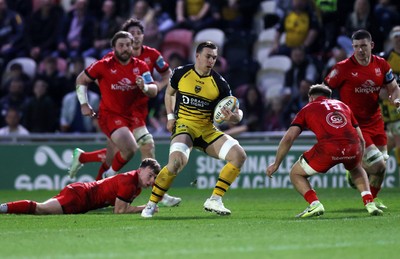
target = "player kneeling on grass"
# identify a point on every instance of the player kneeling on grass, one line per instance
(118, 191)
(339, 140)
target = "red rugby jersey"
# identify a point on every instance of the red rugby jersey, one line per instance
(359, 86)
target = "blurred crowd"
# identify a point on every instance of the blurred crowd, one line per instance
(62, 37)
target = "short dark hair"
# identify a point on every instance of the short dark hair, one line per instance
(360, 35)
(121, 35)
(132, 22)
(320, 90)
(152, 163)
(206, 44)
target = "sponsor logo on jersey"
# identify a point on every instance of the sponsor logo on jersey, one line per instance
(336, 119)
(367, 87)
(194, 102)
(123, 85)
(197, 89)
(378, 71)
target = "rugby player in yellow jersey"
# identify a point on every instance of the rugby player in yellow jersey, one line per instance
(191, 96)
(390, 114)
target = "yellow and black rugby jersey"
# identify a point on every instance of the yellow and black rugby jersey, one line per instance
(197, 95)
(389, 112)
(393, 59)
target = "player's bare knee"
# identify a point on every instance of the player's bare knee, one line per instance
(147, 150)
(381, 170)
(297, 171)
(146, 144)
(238, 156)
(177, 164)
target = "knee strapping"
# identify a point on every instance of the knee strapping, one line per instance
(180, 147)
(146, 139)
(306, 167)
(142, 136)
(373, 156)
(223, 152)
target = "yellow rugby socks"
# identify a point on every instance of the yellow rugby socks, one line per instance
(162, 184)
(226, 177)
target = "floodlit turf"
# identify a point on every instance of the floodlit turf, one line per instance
(262, 225)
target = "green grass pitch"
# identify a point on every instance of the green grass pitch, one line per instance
(262, 225)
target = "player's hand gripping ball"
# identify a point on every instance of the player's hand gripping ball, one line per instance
(229, 102)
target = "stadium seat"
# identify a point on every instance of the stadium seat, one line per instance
(177, 41)
(271, 77)
(267, 36)
(89, 61)
(266, 9)
(262, 47)
(29, 65)
(280, 63)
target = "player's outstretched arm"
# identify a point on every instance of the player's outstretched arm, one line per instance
(122, 207)
(284, 146)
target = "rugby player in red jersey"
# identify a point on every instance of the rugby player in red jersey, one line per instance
(359, 79)
(144, 139)
(339, 140)
(118, 191)
(122, 79)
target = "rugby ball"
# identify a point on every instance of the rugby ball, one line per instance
(230, 102)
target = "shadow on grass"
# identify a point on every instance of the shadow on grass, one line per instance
(349, 210)
(208, 217)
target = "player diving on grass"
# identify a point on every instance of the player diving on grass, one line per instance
(118, 191)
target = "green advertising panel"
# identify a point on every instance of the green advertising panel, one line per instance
(44, 166)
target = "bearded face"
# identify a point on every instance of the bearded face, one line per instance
(123, 49)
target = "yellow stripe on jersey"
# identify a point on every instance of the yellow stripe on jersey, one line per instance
(394, 60)
(389, 111)
(197, 95)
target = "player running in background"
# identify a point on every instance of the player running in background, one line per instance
(144, 139)
(122, 79)
(339, 140)
(391, 116)
(191, 96)
(359, 80)
(118, 191)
